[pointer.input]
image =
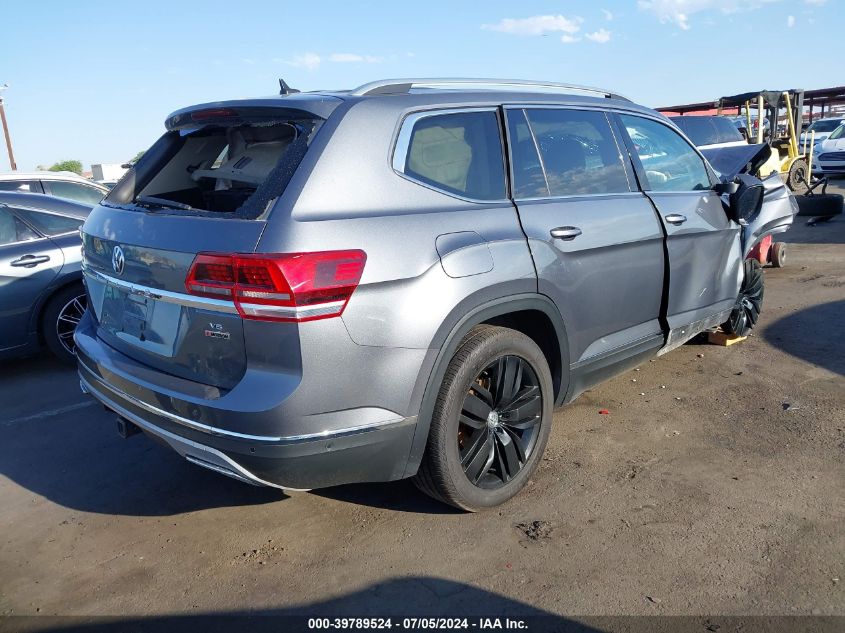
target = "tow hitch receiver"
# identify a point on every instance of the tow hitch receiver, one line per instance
(126, 429)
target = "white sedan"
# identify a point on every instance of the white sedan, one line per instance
(829, 154)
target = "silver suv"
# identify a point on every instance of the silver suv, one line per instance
(401, 280)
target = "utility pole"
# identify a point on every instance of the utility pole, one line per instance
(6, 131)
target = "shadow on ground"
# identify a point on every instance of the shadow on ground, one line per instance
(402, 599)
(397, 599)
(76, 459)
(815, 335)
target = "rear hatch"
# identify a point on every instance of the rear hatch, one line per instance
(207, 186)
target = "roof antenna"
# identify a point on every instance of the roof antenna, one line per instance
(285, 89)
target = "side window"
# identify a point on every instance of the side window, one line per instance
(50, 223)
(460, 153)
(75, 191)
(21, 186)
(669, 162)
(577, 151)
(13, 230)
(529, 181)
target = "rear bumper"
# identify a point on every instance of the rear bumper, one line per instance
(357, 445)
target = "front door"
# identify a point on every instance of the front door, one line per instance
(595, 239)
(28, 263)
(703, 245)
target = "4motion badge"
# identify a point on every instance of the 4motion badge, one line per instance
(216, 331)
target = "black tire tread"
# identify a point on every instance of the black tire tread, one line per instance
(431, 478)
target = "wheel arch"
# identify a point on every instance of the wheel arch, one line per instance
(532, 314)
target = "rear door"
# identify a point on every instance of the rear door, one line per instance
(595, 239)
(702, 243)
(28, 263)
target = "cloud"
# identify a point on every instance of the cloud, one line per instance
(602, 36)
(309, 61)
(679, 11)
(608, 15)
(347, 58)
(790, 21)
(818, 3)
(312, 61)
(536, 25)
(569, 39)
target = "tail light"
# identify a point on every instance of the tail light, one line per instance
(279, 287)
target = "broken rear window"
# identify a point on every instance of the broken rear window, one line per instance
(233, 168)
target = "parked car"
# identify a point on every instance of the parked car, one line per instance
(822, 127)
(829, 154)
(62, 184)
(332, 287)
(41, 287)
(709, 131)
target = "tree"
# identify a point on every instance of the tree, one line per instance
(68, 165)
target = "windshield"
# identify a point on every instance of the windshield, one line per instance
(837, 133)
(824, 126)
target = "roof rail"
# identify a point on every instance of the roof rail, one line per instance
(403, 86)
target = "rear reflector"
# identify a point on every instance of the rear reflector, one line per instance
(279, 287)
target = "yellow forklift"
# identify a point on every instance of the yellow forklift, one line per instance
(792, 162)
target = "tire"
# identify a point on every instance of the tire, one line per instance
(798, 175)
(59, 320)
(820, 205)
(749, 302)
(498, 454)
(778, 255)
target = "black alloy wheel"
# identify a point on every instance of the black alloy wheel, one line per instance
(749, 303)
(490, 421)
(498, 422)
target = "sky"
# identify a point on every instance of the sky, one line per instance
(94, 81)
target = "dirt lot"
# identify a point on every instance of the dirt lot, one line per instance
(715, 486)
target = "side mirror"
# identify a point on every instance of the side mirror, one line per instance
(746, 201)
(723, 188)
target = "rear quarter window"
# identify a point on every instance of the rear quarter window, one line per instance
(459, 153)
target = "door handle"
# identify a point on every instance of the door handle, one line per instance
(28, 261)
(676, 218)
(565, 232)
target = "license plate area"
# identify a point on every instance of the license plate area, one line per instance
(141, 321)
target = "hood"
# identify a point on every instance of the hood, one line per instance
(728, 162)
(830, 145)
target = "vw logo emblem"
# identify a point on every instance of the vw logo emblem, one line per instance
(117, 260)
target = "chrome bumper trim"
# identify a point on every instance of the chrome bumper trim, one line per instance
(194, 452)
(213, 430)
(191, 301)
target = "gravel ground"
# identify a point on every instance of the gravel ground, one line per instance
(715, 486)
